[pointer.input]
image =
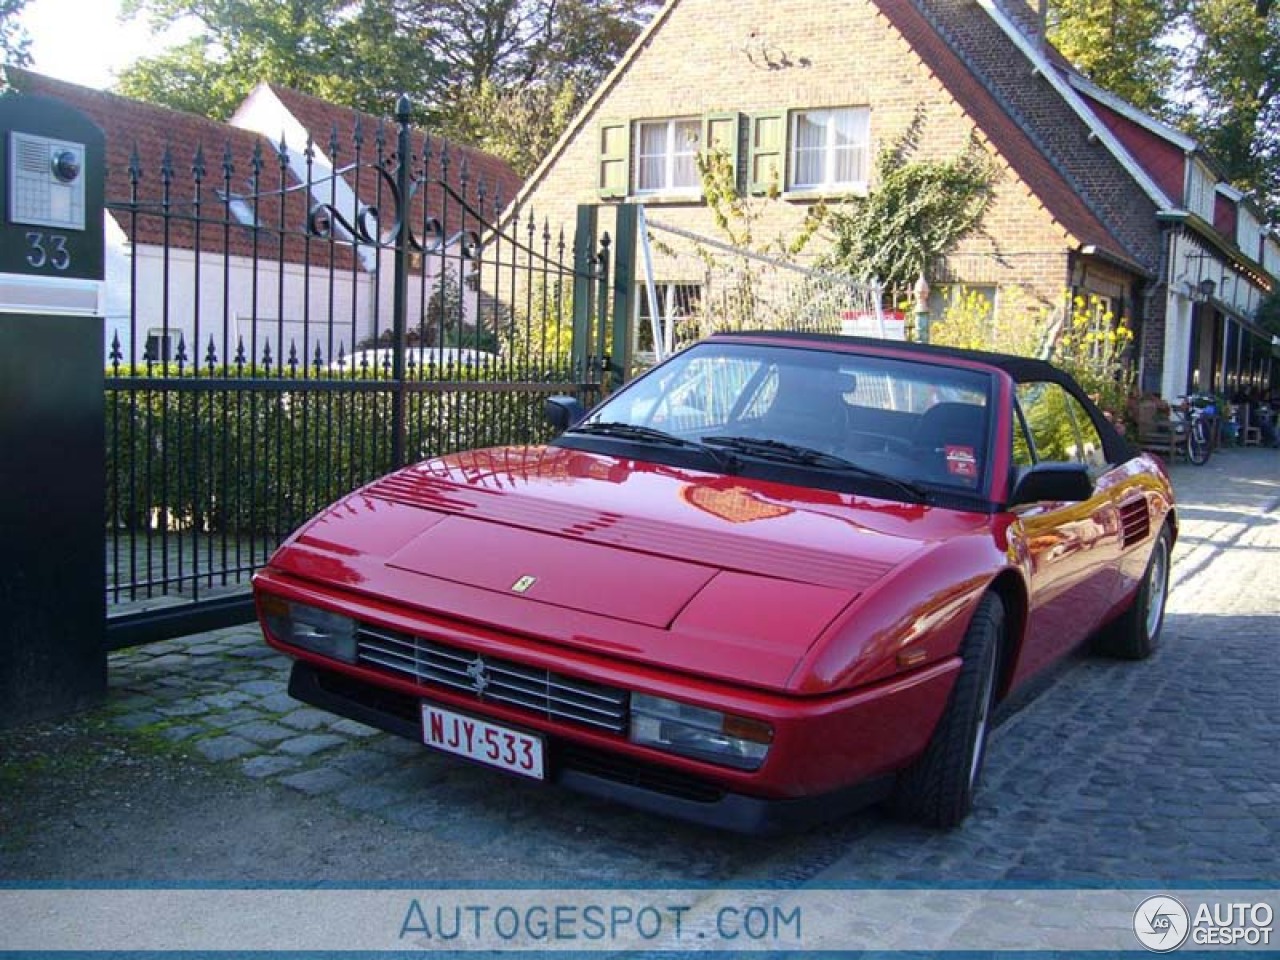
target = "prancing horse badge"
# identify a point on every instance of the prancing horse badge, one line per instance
(523, 584)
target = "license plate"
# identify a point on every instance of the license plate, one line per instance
(482, 741)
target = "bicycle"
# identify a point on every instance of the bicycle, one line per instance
(1198, 412)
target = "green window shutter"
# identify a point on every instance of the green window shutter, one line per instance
(721, 131)
(615, 158)
(767, 152)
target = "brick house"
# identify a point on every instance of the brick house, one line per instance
(808, 95)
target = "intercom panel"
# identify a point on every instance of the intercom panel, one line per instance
(46, 181)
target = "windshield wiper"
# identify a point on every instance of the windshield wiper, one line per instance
(641, 434)
(780, 452)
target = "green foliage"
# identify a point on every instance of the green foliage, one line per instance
(519, 43)
(518, 124)
(541, 331)
(255, 461)
(504, 75)
(358, 55)
(738, 215)
(917, 211)
(15, 43)
(973, 321)
(1229, 92)
(1122, 45)
(1209, 67)
(1268, 315)
(1094, 347)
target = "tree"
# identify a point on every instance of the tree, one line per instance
(1124, 46)
(360, 55)
(1231, 93)
(1210, 67)
(520, 125)
(918, 211)
(505, 75)
(516, 71)
(515, 44)
(15, 44)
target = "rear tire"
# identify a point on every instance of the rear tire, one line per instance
(1135, 634)
(938, 789)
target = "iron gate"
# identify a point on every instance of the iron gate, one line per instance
(296, 327)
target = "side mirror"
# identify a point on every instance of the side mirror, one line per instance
(1052, 481)
(563, 412)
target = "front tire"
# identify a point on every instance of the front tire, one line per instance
(938, 789)
(1135, 634)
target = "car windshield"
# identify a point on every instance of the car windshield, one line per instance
(910, 426)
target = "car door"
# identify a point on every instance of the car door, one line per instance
(1073, 547)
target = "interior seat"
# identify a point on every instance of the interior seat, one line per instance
(950, 441)
(809, 408)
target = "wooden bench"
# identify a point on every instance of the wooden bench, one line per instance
(1157, 431)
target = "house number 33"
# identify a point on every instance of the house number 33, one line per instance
(47, 250)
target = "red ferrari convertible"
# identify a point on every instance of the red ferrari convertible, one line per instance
(776, 577)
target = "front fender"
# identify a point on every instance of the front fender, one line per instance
(914, 617)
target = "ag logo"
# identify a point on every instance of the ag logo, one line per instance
(1161, 923)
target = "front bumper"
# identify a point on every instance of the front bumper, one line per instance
(599, 773)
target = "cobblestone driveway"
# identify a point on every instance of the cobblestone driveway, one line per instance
(1164, 770)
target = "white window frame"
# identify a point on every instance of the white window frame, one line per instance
(669, 156)
(1201, 189)
(830, 149)
(673, 301)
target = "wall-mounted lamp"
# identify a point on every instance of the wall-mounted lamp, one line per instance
(1206, 287)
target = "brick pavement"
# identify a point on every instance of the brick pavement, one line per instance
(1163, 769)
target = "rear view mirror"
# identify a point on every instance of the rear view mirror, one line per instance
(1052, 481)
(563, 412)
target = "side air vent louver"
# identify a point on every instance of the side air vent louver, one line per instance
(1135, 521)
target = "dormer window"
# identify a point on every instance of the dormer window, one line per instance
(238, 206)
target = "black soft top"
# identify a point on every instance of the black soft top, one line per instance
(1021, 369)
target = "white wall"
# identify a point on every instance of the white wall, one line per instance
(167, 299)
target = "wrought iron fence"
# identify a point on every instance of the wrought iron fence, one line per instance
(288, 327)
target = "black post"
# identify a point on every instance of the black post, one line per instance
(53, 466)
(584, 258)
(601, 355)
(624, 286)
(400, 301)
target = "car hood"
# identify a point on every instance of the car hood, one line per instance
(708, 574)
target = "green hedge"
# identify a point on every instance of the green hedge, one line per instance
(253, 460)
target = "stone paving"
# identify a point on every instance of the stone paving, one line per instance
(1166, 768)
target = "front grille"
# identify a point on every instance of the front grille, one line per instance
(493, 680)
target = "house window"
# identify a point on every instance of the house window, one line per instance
(159, 348)
(829, 148)
(1201, 190)
(675, 302)
(665, 152)
(238, 206)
